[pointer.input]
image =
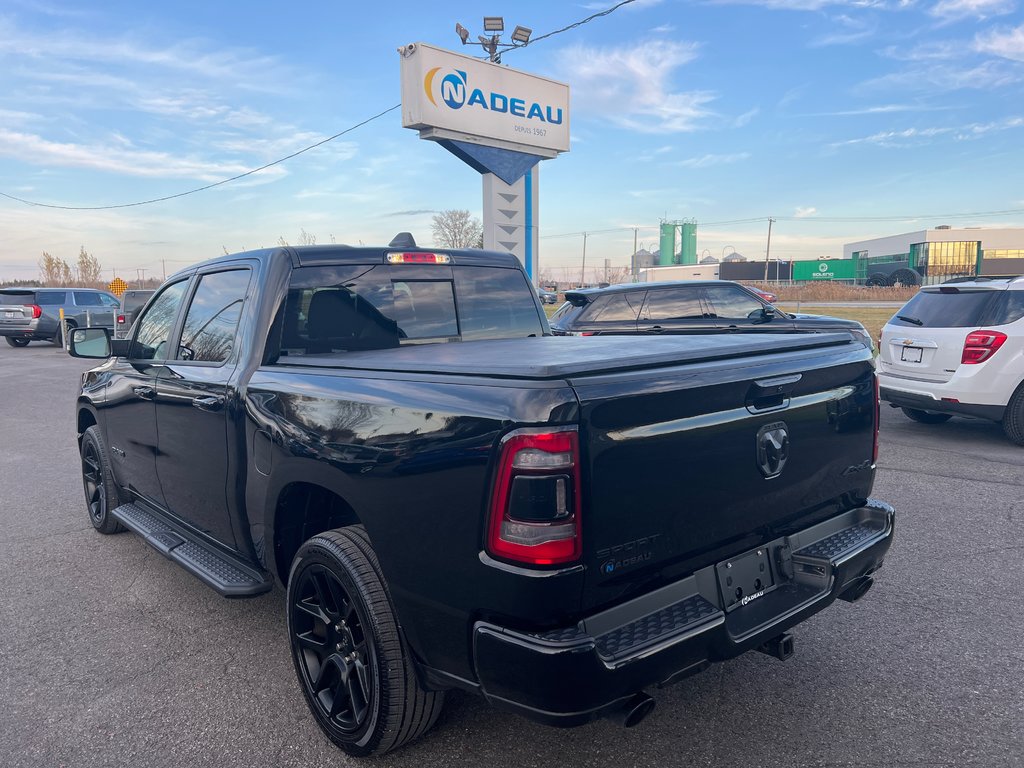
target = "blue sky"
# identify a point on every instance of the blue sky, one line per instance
(822, 114)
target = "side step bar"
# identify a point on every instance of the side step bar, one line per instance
(225, 574)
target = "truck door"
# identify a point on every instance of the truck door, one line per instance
(196, 464)
(129, 412)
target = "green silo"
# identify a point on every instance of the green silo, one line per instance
(667, 250)
(688, 247)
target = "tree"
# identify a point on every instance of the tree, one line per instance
(457, 229)
(54, 271)
(89, 269)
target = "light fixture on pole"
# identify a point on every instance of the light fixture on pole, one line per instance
(495, 25)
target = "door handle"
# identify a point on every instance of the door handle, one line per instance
(146, 393)
(657, 329)
(211, 403)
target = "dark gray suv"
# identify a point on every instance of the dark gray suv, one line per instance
(33, 314)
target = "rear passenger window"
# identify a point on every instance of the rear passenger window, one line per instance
(51, 298)
(620, 307)
(674, 304)
(1010, 309)
(208, 335)
(87, 299)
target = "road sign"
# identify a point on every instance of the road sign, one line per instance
(117, 286)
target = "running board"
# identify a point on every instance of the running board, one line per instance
(227, 575)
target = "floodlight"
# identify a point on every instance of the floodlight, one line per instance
(462, 32)
(521, 34)
(494, 24)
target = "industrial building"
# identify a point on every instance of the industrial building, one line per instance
(934, 255)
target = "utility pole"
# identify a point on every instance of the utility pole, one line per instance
(583, 269)
(163, 264)
(768, 248)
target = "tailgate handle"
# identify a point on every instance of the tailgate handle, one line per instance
(771, 394)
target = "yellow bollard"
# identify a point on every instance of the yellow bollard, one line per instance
(60, 330)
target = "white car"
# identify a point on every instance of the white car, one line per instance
(958, 349)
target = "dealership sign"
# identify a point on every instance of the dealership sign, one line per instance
(449, 96)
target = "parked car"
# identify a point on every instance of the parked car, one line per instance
(768, 296)
(685, 307)
(33, 314)
(453, 499)
(131, 302)
(958, 349)
(547, 297)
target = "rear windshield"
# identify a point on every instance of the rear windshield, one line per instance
(363, 307)
(964, 309)
(12, 299)
(132, 300)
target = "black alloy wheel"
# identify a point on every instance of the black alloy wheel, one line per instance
(100, 492)
(333, 656)
(350, 655)
(14, 341)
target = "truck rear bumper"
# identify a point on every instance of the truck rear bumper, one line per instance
(572, 675)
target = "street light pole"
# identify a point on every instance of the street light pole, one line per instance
(768, 248)
(583, 269)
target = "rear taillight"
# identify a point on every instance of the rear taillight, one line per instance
(979, 346)
(878, 417)
(120, 319)
(36, 310)
(581, 333)
(535, 504)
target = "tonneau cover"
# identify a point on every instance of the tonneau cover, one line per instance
(560, 357)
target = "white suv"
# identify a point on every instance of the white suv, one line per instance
(958, 348)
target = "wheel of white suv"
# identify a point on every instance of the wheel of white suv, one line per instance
(352, 661)
(926, 417)
(1013, 419)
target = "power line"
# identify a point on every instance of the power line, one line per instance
(579, 23)
(208, 186)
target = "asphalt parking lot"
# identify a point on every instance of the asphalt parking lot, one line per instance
(112, 655)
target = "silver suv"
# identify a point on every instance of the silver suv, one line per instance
(958, 348)
(33, 314)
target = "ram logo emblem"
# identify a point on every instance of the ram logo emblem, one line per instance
(772, 448)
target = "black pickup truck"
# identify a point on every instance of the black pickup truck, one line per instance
(455, 499)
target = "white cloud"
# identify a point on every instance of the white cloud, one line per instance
(850, 29)
(942, 78)
(933, 50)
(631, 85)
(708, 161)
(804, 213)
(746, 117)
(950, 10)
(906, 137)
(978, 130)
(116, 159)
(882, 109)
(1009, 43)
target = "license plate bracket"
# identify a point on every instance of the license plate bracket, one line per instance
(745, 578)
(911, 354)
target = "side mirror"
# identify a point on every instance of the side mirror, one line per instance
(762, 315)
(90, 343)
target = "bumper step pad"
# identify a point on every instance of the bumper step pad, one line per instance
(666, 623)
(835, 546)
(223, 573)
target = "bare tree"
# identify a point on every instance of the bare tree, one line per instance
(53, 270)
(89, 269)
(457, 229)
(307, 239)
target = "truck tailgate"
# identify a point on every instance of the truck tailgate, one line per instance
(688, 465)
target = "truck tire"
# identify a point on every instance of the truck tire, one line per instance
(14, 341)
(926, 417)
(352, 661)
(906, 277)
(101, 495)
(1013, 419)
(877, 279)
